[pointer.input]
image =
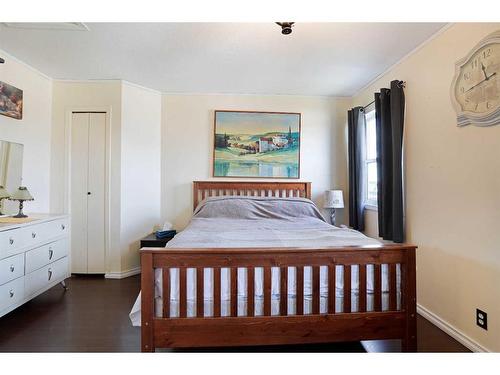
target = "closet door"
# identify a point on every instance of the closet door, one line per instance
(96, 196)
(88, 149)
(79, 183)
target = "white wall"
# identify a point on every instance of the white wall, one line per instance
(141, 169)
(452, 187)
(101, 95)
(33, 131)
(187, 143)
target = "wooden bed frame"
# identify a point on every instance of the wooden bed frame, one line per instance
(300, 328)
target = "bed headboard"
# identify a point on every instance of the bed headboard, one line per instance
(204, 189)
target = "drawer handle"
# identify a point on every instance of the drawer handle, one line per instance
(50, 274)
(63, 227)
(11, 293)
(51, 253)
(11, 241)
(33, 235)
(12, 268)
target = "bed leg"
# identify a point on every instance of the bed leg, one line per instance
(409, 342)
(147, 302)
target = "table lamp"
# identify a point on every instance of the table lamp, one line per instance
(334, 199)
(22, 194)
(4, 194)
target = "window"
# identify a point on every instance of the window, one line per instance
(371, 159)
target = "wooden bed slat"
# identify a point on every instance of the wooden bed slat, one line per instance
(200, 288)
(166, 292)
(182, 293)
(315, 290)
(234, 291)
(377, 293)
(299, 280)
(284, 291)
(267, 291)
(347, 289)
(362, 288)
(250, 291)
(392, 288)
(217, 292)
(331, 288)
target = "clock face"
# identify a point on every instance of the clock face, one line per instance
(477, 87)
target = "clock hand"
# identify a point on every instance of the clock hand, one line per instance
(483, 68)
(477, 84)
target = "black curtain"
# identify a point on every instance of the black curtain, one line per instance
(356, 144)
(389, 116)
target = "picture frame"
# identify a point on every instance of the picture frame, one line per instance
(256, 144)
(11, 101)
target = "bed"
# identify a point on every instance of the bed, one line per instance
(258, 265)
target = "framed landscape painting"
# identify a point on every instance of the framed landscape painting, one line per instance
(11, 101)
(256, 144)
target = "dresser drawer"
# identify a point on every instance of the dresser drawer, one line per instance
(43, 255)
(11, 268)
(45, 276)
(10, 240)
(11, 293)
(39, 233)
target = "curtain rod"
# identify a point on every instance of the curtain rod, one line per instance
(401, 84)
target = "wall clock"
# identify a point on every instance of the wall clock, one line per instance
(475, 91)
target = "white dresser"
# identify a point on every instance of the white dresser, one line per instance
(33, 258)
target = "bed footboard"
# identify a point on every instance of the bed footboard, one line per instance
(393, 319)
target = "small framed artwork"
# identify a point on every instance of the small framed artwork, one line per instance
(11, 101)
(256, 144)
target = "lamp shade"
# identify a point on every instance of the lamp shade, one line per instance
(334, 199)
(21, 194)
(4, 193)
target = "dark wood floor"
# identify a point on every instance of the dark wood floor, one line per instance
(92, 316)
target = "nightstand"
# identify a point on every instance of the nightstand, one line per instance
(152, 241)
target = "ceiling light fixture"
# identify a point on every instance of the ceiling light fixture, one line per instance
(286, 27)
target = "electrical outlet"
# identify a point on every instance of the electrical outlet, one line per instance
(482, 319)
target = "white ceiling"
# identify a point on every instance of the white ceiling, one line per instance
(334, 59)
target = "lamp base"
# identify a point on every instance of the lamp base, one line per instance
(332, 217)
(20, 214)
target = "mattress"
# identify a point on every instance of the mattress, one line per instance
(231, 222)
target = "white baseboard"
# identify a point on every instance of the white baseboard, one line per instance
(123, 274)
(451, 330)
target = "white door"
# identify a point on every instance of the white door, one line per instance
(88, 157)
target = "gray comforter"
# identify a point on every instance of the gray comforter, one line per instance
(263, 222)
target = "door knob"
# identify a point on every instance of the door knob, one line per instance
(89, 193)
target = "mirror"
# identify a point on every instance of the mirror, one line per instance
(11, 171)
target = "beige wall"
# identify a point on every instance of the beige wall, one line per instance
(33, 131)
(141, 169)
(452, 187)
(188, 138)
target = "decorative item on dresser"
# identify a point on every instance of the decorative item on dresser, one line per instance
(33, 258)
(334, 199)
(22, 194)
